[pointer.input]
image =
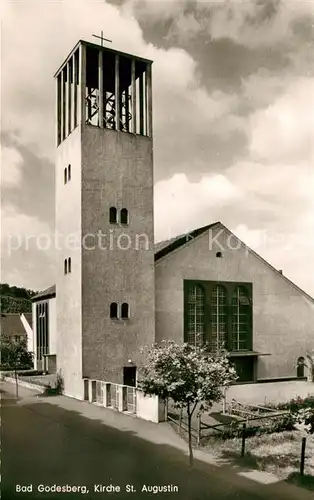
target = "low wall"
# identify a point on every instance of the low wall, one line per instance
(149, 408)
(22, 383)
(270, 392)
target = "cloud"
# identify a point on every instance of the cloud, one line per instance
(25, 258)
(284, 131)
(263, 23)
(11, 163)
(189, 204)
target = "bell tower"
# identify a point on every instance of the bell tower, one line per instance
(104, 215)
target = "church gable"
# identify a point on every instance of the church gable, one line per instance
(215, 241)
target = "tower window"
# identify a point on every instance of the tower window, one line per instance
(124, 216)
(67, 265)
(125, 311)
(113, 215)
(65, 175)
(219, 255)
(69, 172)
(113, 310)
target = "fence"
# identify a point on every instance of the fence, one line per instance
(235, 415)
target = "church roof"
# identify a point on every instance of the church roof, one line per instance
(45, 294)
(164, 247)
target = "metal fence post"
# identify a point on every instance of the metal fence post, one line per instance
(198, 430)
(302, 456)
(180, 420)
(243, 440)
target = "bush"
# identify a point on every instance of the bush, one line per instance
(294, 405)
(59, 387)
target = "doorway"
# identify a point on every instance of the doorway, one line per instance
(129, 376)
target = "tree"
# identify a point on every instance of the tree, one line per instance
(15, 356)
(190, 376)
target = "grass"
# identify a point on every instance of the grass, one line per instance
(277, 453)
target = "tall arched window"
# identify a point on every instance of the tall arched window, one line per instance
(124, 216)
(65, 176)
(113, 215)
(218, 318)
(300, 367)
(69, 265)
(66, 266)
(69, 172)
(124, 310)
(113, 310)
(240, 319)
(196, 316)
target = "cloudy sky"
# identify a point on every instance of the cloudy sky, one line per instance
(233, 97)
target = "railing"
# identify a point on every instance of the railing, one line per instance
(131, 399)
(117, 396)
(99, 392)
(114, 396)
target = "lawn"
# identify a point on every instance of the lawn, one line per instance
(277, 453)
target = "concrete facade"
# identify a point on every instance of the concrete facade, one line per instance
(283, 316)
(69, 286)
(270, 392)
(117, 170)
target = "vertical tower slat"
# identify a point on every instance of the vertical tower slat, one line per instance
(101, 89)
(69, 101)
(74, 72)
(149, 100)
(58, 111)
(82, 83)
(133, 96)
(141, 98)
(117, 92)
(63, 117)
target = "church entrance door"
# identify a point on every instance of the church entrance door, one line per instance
(129, 376)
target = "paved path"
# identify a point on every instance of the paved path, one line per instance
(61, 441)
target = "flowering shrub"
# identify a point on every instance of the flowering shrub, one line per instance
(189, 376)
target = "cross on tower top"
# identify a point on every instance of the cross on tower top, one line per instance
(102, 38)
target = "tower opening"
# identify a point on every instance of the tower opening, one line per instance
(104, 88)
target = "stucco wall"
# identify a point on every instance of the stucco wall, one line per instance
(68, 231)
(283, 317)
(270, 392)
(117, 170)
(149, 408)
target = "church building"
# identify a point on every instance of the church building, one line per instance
(116, 291)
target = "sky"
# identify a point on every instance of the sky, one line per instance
(233, 108)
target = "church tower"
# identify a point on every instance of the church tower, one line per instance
(104, 216)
